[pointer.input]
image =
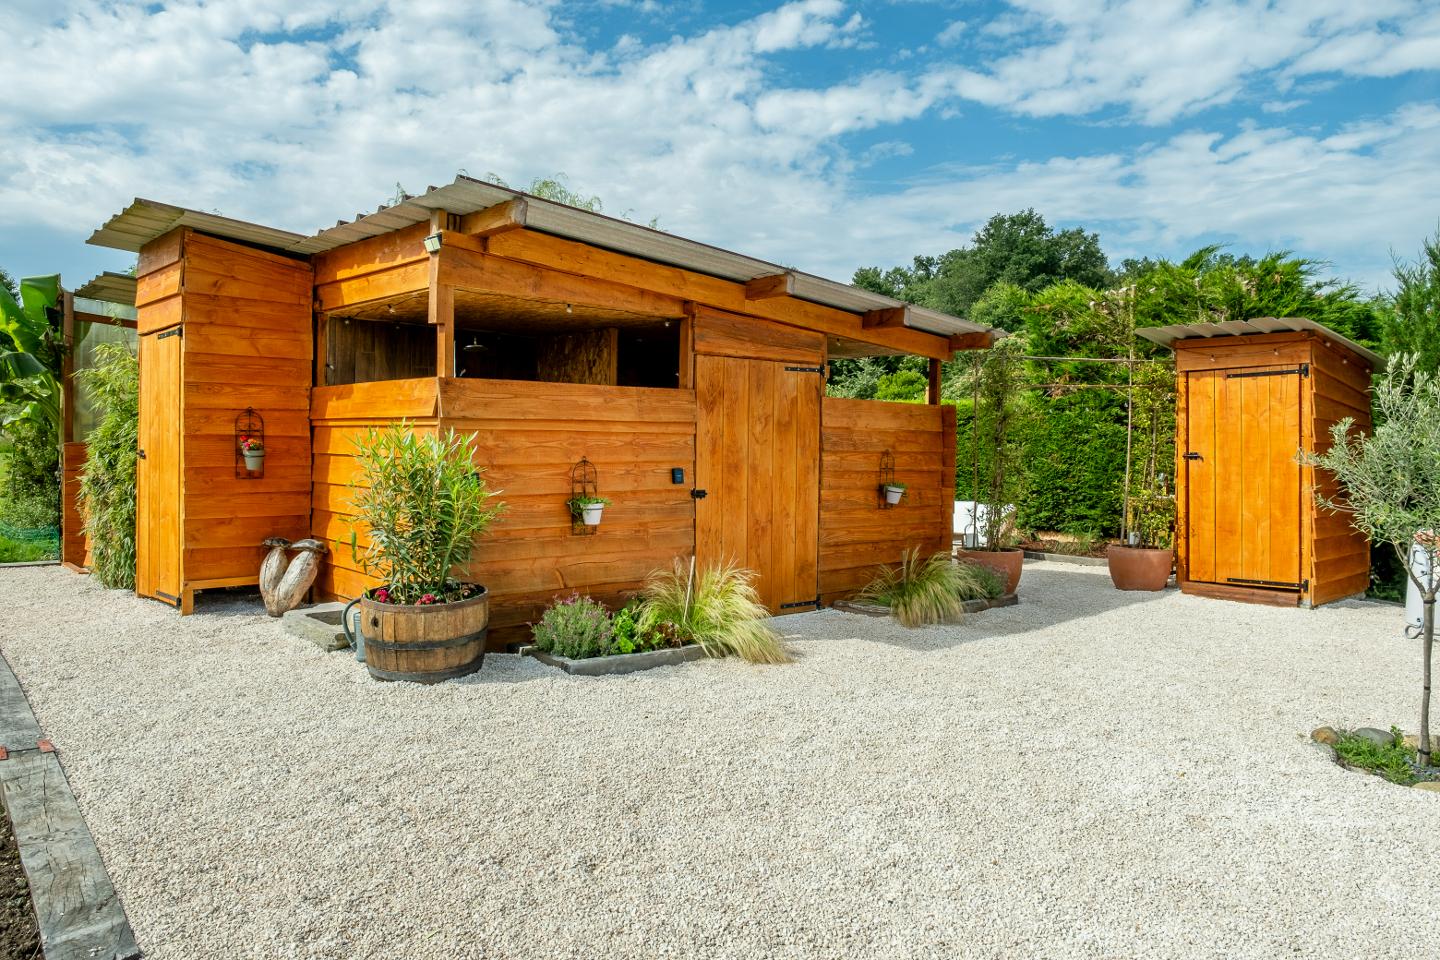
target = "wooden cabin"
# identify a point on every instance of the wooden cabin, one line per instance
(686, 382)
(1251, 395)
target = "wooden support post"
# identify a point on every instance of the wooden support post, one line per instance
(442, 303)
(687, 348)
(932, 387)
(67, 371)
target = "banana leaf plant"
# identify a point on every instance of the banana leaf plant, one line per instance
(31, 346)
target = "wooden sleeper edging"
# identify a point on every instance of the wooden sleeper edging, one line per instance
(80, 916)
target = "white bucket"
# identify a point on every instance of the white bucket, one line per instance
(590, 514)
(1414, 605)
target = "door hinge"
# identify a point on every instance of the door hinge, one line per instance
(177, 332)
(1302, 370)
(807, 369)
(801, 603)
(698, 494)
(1283, 584)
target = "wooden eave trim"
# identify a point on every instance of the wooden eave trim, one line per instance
(886, 318)
(584, 260)
(1239, 340)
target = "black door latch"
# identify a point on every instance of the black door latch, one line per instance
(1192, 455)
(697, 494)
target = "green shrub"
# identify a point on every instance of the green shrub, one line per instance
(634, 636)
(716, 607)
(107, 483)
(423, 502)
(27, 551)
(32, 476)
(576, 627)
(1394, 761)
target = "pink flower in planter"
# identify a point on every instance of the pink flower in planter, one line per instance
(382, 595)
(428, 598)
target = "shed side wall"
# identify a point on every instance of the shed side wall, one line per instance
(247, 343)
(1339, 554)
(856, 535)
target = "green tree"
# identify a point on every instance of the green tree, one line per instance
(1410, 320)
(107, 483)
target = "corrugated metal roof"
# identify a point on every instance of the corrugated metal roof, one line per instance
(144, 220)
(110, 287)
(1166, 336)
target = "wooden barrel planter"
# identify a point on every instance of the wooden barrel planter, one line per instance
(425, 644)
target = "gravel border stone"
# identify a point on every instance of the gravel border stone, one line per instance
(619, 663)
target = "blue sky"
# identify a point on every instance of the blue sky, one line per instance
(818, 133)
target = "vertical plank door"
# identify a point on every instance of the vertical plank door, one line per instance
(157, 473)
(1243, 480)
(758, 459)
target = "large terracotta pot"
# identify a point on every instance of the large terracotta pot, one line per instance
(1007, 562)
(1139, 568)
(425, 644)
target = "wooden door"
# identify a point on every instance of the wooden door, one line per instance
(1243, 481)
(757, 457)
(157, 475)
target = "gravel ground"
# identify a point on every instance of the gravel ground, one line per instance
(1087, 774)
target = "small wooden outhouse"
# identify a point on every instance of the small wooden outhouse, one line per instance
(1251, 396)
(683, 382)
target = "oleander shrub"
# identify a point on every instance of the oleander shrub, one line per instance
(716, 607)
(107, 483)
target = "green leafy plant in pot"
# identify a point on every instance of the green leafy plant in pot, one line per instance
(1145, 559)
(998, 380)
(588, 510)
(421, 503)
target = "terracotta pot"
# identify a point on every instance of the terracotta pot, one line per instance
(1139, 568)
(1007, 562)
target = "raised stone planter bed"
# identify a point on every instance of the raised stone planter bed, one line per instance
(880, 610)
(320, 624)
(620, 662)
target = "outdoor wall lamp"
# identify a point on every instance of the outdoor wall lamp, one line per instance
(432, 243)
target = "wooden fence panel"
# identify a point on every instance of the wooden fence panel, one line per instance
(856, 535)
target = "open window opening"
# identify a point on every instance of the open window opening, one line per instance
(504, 338)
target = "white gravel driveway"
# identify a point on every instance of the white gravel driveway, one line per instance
(1088, 774)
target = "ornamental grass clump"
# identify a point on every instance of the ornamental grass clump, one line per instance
(932, 590)
(716, 607)
(107, 482)
(423, 502)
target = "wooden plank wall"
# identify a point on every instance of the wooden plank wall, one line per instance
(247, 343)
(74, 545)
(528, 436)
(1339, 554)
(588, 356)
(856, 535)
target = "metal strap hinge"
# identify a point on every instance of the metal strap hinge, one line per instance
(801, 603)
(807, 369)
(1303, 370)
(1285, 584)
(177, 332)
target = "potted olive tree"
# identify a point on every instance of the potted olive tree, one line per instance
(1390, 488)
(1147, 555)
(998, 381)
(421, 502)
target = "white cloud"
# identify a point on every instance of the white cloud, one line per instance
(298, 115)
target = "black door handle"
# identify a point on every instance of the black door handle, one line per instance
(1192, 455)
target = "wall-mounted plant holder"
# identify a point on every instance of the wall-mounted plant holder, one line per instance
(585, 504)
(890, 491)
(250, 449)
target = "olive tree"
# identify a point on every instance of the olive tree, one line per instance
(1390, 487)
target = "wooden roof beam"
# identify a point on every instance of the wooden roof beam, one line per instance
(980, 340)
(889, 317)
(501, 218)
(775, 285)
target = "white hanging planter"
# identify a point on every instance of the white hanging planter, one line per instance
(893, 493)
(254, 461)
(590, 514)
